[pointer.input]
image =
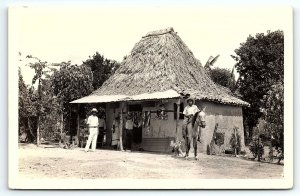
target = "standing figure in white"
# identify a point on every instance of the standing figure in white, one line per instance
(93, 125)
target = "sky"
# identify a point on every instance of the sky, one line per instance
(57, 34)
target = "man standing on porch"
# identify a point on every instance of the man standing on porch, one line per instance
(128, 131)
(189, 111)
(93, 124)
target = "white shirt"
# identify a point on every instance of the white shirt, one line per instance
(93, 121)
(188, 110)
(129, 124)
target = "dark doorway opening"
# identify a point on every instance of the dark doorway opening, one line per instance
(136, 110)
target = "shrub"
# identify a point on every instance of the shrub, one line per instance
(235, 142)
(256, 147)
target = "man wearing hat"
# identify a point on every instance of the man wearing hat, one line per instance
(189, 111)
(128, 131)
(93, 124)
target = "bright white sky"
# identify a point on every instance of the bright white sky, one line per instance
(62, 34)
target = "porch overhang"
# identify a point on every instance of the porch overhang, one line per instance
(169, 94)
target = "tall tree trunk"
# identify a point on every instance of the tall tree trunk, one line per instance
(39, 114)
(38, 132)
(30, 134)
(30, 130)
(61, 123)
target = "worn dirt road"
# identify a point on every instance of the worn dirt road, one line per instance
(36, 163)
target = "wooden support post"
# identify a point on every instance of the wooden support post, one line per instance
(78, 125)
(121, 126)
(69, 121)
(177, 118)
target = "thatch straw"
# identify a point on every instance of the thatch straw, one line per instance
(159, 62)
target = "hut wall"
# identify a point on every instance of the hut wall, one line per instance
(157, 136)
(227, 118)
(160, 128)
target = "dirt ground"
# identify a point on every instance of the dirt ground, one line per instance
(40, 162)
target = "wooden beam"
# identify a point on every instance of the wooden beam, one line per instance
(121, 126)
(177, 118)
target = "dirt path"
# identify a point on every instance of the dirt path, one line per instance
(62, 163)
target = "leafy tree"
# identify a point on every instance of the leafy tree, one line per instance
(71, 82)
(41, 69)
(256, 147)
(260, 64)
(224, 77)
(23, 99)
(235, 141)
(273, 114)
(23, 109)
(50, 111)
(102, 68)
(29, 102)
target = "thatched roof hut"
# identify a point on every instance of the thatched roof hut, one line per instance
(161, 66)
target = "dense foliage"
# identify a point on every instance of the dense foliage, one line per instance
(102, 68)
(256, 147)
(24, 110)
(42, 70)
(33, 106)
(273, 115)
(235, 142)
(224, 77)
(260, 64)
(71, 82)
(44, 107)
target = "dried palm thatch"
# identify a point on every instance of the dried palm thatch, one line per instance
(159, 62)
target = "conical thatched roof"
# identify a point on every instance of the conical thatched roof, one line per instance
(161, 62)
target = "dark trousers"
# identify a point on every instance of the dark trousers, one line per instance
(128, 139)
(100, 137)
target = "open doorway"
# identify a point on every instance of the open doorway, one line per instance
(136, 111)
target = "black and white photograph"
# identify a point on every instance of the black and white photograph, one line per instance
(150, 97)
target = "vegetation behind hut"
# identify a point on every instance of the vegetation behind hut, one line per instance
(260, 64)
(30, 103)
(223, 77)
(101, 67)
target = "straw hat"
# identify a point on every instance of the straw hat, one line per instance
(94, 110)
(190, 99)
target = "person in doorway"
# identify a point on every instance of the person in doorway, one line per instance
(102, 130)
(189, 111)
(116, 133)
(93, 124)
(128, 131)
